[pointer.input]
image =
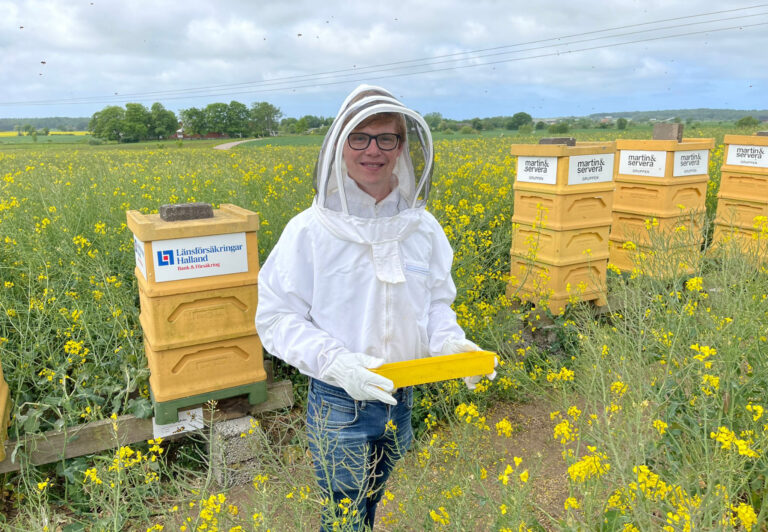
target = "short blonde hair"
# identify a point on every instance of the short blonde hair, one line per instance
(385, 118)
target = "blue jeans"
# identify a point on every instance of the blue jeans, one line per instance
(354, 448)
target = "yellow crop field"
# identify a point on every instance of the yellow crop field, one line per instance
(654, 405)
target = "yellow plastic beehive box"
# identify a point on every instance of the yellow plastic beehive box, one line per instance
(751, 242)
(537, 281)
(746, 153)
(744, 185)
(659, 263)
(739, 212)
(563, 211)
(658, 159)
(660, 199)
(439, 368)
(199, 369)
(192, 318)
(548, 168)
(5, 413)
(644, 229)
(227, 220)
(560, 246)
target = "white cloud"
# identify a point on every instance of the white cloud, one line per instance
(145, 46)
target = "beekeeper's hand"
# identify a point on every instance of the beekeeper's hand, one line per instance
(351, 372)
(455, 345)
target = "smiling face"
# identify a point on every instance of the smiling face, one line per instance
(372, 167)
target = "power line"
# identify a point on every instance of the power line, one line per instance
(374, 71)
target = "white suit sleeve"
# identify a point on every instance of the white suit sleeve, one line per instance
(283, 317)
(442, 323)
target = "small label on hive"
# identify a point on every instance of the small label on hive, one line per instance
(537, 170)
(694, 162)
(742, 155)
(641, 162)
(585, 169)
(138, 253)
(189, 420)
(204, 256)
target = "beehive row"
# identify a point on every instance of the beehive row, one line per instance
(198, 292)
(571, 215)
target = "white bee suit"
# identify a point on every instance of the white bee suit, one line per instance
(349, 275)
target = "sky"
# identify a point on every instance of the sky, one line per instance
(463, 59)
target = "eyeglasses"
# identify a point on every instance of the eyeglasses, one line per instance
(385, 141)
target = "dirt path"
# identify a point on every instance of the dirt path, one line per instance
(229, 145)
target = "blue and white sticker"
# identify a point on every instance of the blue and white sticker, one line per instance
(204, 256)
(138, 253)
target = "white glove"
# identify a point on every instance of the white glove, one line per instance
(455, 345)
(350, 371)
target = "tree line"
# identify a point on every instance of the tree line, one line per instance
(136, 122)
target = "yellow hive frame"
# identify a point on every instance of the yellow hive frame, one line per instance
(439, 368)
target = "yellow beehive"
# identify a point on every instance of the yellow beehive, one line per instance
(561, 246)
(5, 413)
(646, 230)
(663, 162)
(197, 317)
(198, 292)
(739, 212)
(440, 368)
(151, 233)
(656, 262)
(557, 285)
(563, 211)
(744, 185)
(200, 369)
(660, 199)
(751, 242)
(557, 168)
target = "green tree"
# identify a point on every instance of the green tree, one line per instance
(216, 117)
(540, 125)
(288, 125)
(560, 127)
(747, 122)
(108, 123)
(265, 119)
(433, 120)
(621, 123)
(238, 119)
(517, 120)
(163, 123)
(136, 123)
(193, 121)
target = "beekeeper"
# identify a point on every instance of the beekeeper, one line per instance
(359, 279)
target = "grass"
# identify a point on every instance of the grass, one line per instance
(650, 415)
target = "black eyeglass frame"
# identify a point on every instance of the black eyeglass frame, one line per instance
(376, 138)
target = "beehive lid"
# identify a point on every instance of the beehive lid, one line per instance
(562, 150)
(749, 140)
(665, 145)
(226, 219)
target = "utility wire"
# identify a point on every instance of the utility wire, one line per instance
(426, 60)
(317, 79)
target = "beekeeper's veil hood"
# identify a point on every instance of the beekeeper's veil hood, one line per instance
(412, 170)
